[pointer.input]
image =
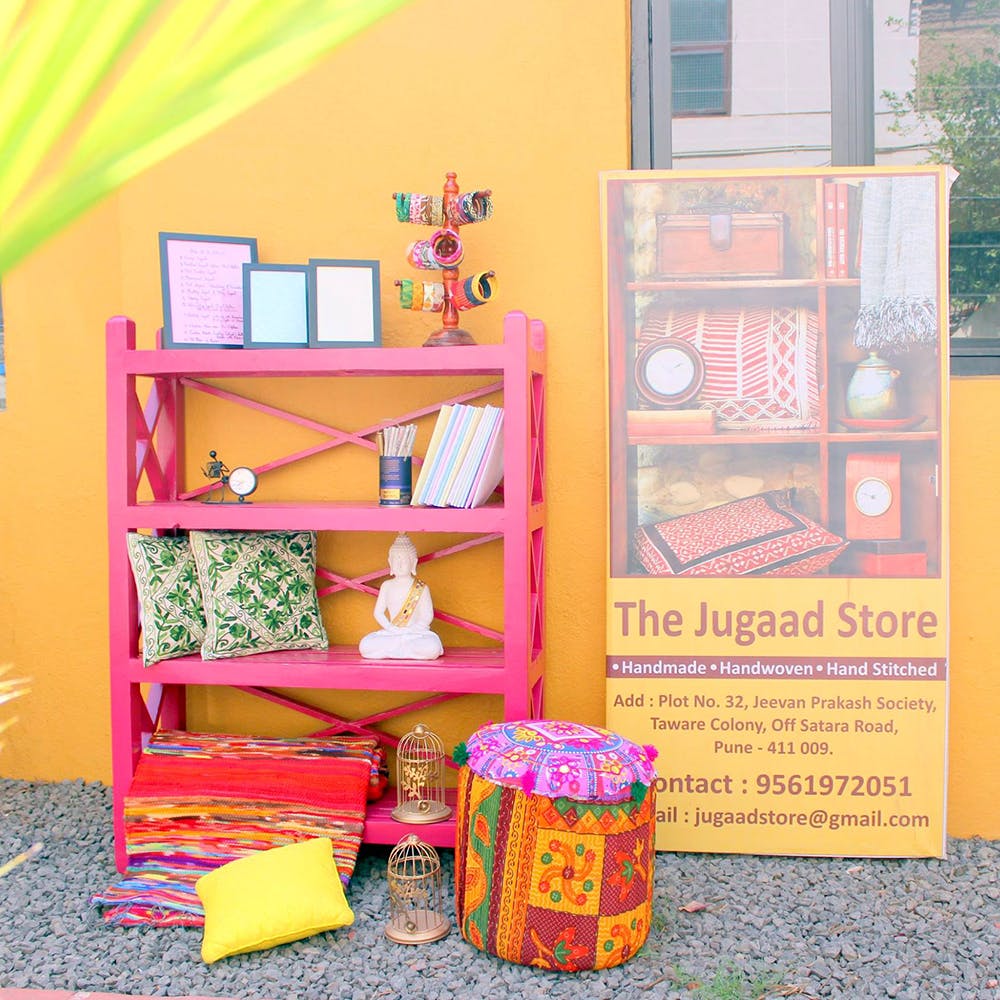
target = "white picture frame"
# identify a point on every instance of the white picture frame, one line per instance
(344, 305)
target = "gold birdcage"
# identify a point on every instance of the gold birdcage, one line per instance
(416, 897)
(420, 778)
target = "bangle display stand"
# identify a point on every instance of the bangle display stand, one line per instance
(444, 252)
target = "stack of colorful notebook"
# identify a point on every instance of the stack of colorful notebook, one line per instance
(464, 461)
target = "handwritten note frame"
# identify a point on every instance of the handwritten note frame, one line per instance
(344, 305)
(275, 305)
(202, 280)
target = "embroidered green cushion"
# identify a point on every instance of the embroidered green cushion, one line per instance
(170, 603)
(259, 589)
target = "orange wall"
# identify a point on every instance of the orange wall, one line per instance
(974, 758)
(533, 105)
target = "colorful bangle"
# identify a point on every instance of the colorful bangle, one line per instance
(473, 206)
(429, 211)
(421, 296)
(475, 291)
(419, 208)
(420, 255)
(433, 296)
(447, 248)
(482, 286)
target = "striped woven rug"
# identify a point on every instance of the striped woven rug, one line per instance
(199, 800)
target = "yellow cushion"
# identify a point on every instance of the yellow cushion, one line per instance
(272, 897)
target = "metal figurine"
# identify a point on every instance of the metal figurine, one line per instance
(242, 480)
(216, 469)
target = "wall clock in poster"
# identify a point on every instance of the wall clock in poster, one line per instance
(669, 372)
(873, 501)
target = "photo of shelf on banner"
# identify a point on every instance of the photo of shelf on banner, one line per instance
(464, 460)
(217, 294)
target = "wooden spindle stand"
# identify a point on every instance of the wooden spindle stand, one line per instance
(450, 334)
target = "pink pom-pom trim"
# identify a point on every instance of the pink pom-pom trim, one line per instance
(651, 752)
(528, 782)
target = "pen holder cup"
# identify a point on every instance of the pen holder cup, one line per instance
(395, 480)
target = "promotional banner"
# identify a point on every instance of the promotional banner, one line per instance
(777, 616)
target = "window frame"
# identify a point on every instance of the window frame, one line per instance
(852, 116)
(723, 47)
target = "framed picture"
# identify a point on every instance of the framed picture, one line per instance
(275, 305)
(344, 305)
(202, 280)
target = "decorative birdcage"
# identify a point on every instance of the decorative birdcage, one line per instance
(416, 896)
(420, 778)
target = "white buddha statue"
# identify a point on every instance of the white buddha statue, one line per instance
(404, 611)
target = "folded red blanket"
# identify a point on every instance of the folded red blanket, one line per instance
(198, 801)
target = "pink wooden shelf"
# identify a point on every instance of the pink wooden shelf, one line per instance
(147, 439)
(348, 362)
(467, 669)
(381, 828)
(319, 516)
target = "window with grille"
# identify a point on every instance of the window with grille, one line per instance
(958, 95)
(700, 56)
(947, 110)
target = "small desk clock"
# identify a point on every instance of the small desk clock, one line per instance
(873, 502)
(242, 480)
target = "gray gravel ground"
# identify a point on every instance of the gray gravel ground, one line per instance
(772, 927)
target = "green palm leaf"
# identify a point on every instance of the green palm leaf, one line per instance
(91, 94)
(10, 688)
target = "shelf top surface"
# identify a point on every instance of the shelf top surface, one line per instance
(487, 359)
(522, 348)
(460, 670)
(320, 515)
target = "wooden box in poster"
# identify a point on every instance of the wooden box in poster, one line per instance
(741, 244)
(888, 557)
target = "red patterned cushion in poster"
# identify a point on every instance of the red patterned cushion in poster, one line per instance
(760, 362)
(762, 535)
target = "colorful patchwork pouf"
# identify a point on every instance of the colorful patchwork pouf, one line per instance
(554, 848)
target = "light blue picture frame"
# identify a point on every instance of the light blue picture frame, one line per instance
(344, 305)
(275, 305)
